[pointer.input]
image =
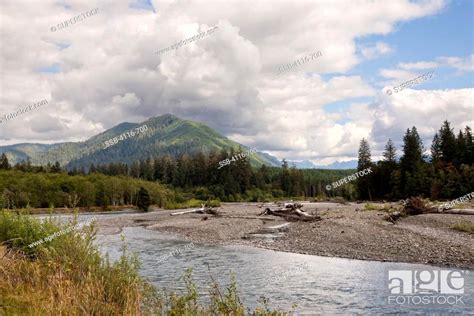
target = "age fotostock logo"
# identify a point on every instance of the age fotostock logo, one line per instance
(423, 287)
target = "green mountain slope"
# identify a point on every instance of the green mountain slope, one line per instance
(166, 135)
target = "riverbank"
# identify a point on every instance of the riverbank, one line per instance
(69, 276)
(347, 231)
(81, 210)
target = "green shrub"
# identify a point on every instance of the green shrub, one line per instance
(371, 207)
(467, 227)
(192, 203)
(68, 276)
(143, 199)
(213, 203)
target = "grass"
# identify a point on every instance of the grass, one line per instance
(192, 203)
(467, 227)
(68, 276)
(371, 207)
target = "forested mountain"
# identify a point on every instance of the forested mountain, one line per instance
(165, 135)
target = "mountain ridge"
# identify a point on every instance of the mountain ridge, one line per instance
(166, 135)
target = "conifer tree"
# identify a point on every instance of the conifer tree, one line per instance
(364, 155)
(412, 178)
(143, 199)
(469, 159)
(390, 153)
(364, 162)
(435, 149)
(4, 162)
(461, 149)
(447, 143)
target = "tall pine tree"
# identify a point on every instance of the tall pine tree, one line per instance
(4, 162)
(412, 165)
(364, 162)
(447, 143)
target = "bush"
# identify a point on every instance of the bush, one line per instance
(68, 276)
(192, 203)
(371, 207)
(213, 203)
(467, 227)
(67, 267)
(143, 199)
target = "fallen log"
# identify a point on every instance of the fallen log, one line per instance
(416, 206)
(202, 210)
(186, 212)
(291, 212)
(303, 214)
(250, 217)
(458, 211)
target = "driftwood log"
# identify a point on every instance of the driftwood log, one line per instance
(291, 212)
(416, 206)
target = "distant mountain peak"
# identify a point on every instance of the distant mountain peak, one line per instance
(167, 134)
(306, 164)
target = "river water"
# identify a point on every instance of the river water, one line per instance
(317, 285)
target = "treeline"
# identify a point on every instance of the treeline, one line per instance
(445, 174)
(20, 189)
(199, 176)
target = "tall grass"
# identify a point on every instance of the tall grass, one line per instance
(68, 276)
(466, 227)
(191, 203)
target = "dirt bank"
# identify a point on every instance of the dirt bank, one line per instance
(346, 231)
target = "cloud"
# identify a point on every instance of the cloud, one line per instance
(421, 65)
(404, 71)
(461, 64)
(108, 71)
(425, 109)
(379, 49)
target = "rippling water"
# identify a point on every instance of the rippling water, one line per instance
(317, 285)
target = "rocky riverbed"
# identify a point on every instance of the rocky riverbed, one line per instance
(345, 230)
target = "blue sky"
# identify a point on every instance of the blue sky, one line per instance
(447, 33)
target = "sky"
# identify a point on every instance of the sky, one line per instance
(105, 70)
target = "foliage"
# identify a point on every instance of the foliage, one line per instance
(467, 227)
(197, 174)
(371, 207)
(192, 203)
(143, 199)
(68, 276)
(41, 190)
(68, 267)
(449, 174)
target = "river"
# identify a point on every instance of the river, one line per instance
(317, 285)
